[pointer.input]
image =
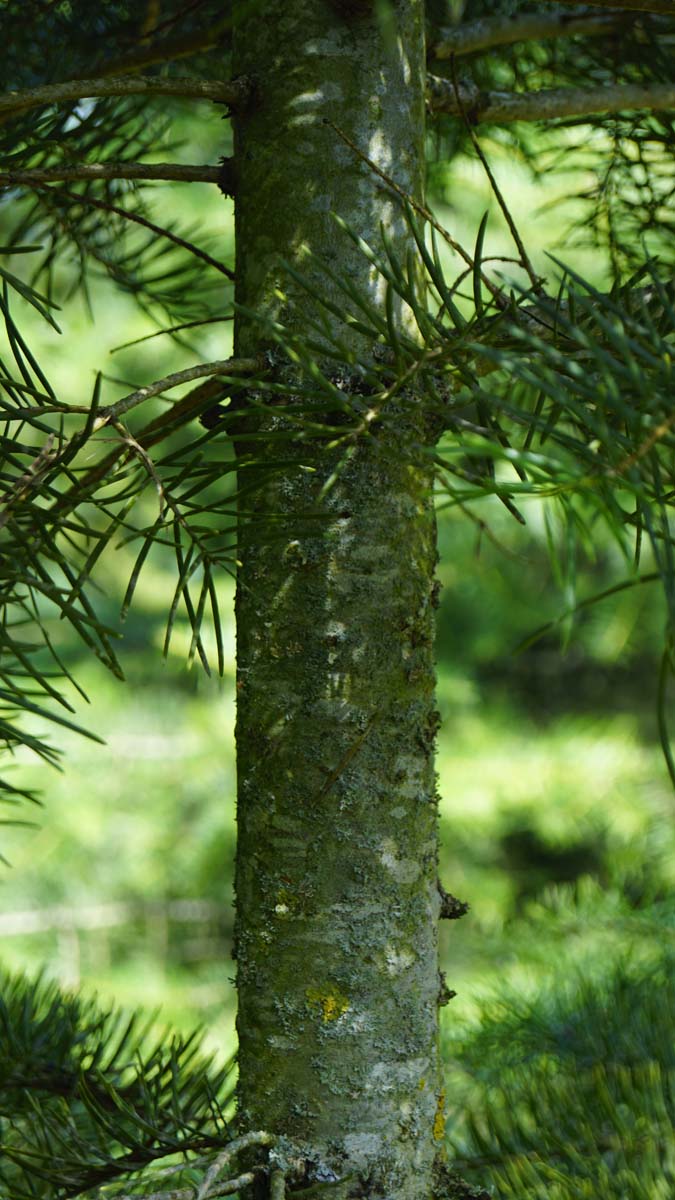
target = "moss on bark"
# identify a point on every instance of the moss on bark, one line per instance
(337, 894)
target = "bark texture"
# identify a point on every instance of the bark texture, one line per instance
(336, 879)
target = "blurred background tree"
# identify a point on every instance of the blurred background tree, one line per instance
(556, 809)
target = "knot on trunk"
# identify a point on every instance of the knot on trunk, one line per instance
(451, 908)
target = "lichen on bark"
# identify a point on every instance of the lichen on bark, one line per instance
(337, 895)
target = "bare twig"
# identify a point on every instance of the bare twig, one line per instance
(85, 172)
(149, 436)
(222, 1162)
(142, 454)
(226, 1188)
(176, 17)
(231, 92)
(229, 1186)
(501, 107)
(149, 26)
(30, 479)
(156, 429)
(487, 32)
(172, 329)
(419, 208)
(129, 215)
(112, 412)
(225, 366)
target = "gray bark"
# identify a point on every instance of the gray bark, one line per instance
(336, 882)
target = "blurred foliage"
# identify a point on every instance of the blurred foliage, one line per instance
(567, 1090)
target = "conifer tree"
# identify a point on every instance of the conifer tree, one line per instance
(364, 374)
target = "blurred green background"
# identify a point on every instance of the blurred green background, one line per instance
(556, 808)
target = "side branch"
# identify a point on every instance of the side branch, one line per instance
(186, 408)
(225, 366)
(180, 412)
(166, 50)
(655, 6)
(501, 107)
(234, 92)
(541, 322)
(138, 219)
(487, 32)
(86, 172)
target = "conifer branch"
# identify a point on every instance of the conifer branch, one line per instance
(654, 6)
(112, 412)
(87, 172)
(166, 50)
(225, 366)
(513, 228)
(181, 411)
(546, 105)
(210, 1185)
(138, 219)
(231, 92)
(487, 32)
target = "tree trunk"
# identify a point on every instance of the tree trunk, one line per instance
(336, 883)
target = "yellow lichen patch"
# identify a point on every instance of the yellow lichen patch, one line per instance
(330, 1004)
(285, 903)
(439, 1119)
